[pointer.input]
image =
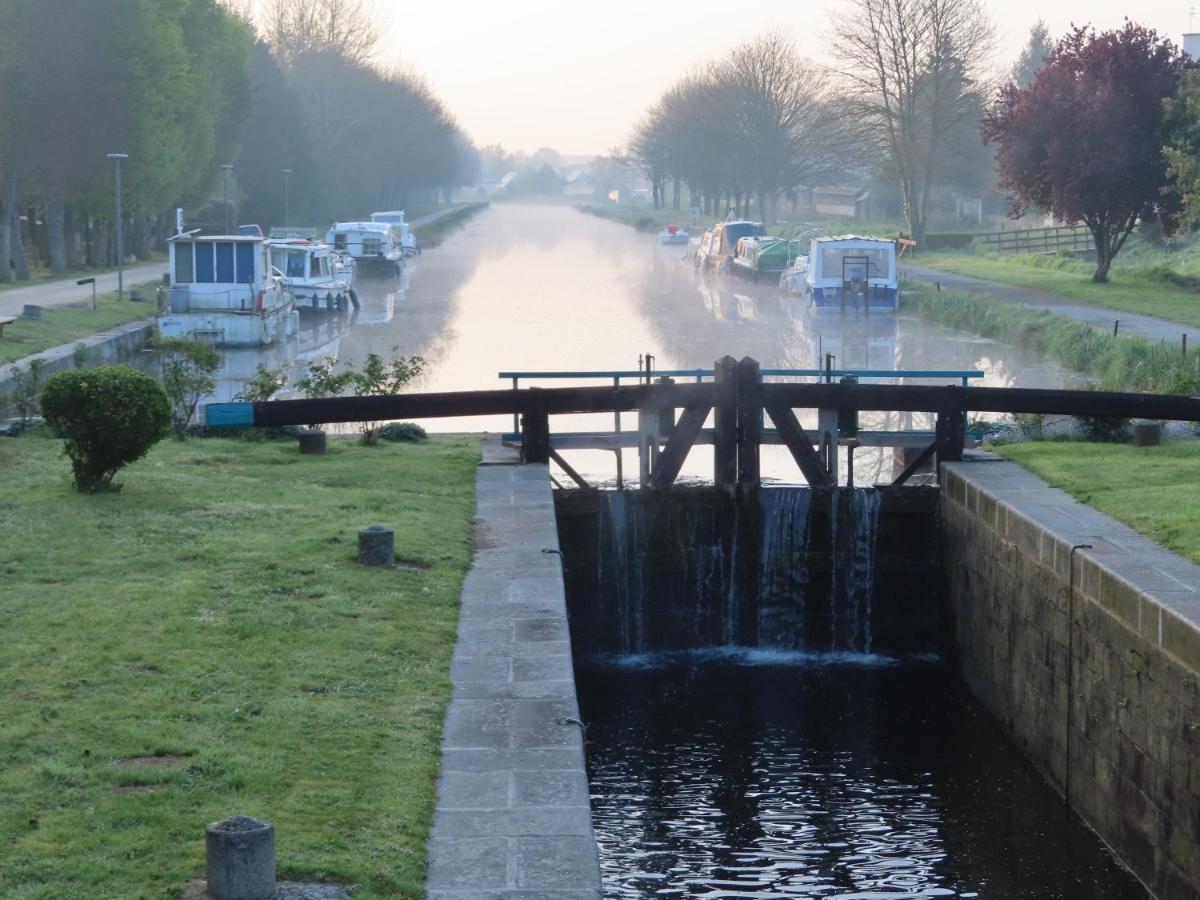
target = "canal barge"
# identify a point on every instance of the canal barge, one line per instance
(846, 273)
(719, 244)
(224, 292)
(760, 258)
(374, 246)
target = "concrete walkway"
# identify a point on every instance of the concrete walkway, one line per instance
(1101, 317)
(66, 292)
(513, 815)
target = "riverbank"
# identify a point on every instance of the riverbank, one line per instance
(434, 228)
(1119, 362)
(65, 324)
(203, 643)
(1153, 490)
(1143, 290)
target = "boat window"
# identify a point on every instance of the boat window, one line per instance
(245, 263)
(204, 262)
(878, 259)
(339, 240)
(295, 264)
(225, 273)
(319, 269)
(183, 262)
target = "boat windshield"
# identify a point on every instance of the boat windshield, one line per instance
(878, 260)
(289, 262)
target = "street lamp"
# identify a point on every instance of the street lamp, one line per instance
(286, 216)
(227, 169)
(116, 158)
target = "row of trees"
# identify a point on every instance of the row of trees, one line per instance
(184, 87)
(763, 120)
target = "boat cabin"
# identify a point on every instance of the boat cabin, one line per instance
(374, 244)
(311, 274)
(720, 244)
(852, 272)
(395, 218)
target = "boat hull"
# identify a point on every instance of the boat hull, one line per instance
(231, 328)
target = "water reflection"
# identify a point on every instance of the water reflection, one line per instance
(549, 288)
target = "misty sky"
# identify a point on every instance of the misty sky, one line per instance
(574, 75)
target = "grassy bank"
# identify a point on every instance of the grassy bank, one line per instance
(1119, 363)
(1153, 490)
(202, 643)
(435, 232)
(649, 219)
(65, 324)
(1152, 289)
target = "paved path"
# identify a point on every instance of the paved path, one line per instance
(1102, 317)
(66, 292)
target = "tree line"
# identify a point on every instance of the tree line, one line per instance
(185, 87)
(1099, 128)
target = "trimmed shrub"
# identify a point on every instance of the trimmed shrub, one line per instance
(401, 432)
(107, 419)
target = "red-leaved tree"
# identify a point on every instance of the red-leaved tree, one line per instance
(1085, 140)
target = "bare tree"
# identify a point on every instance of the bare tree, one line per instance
(341, 28)
(914, 69)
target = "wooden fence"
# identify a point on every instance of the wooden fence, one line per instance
(1037, 240)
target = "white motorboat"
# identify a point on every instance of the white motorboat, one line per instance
(310, 274)
(408, 240)
(374, 246)
(223, 292)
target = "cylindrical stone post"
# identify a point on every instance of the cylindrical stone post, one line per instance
(312, 442)
(376, 546)
(240, 859)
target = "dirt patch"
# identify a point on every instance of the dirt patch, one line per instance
(134, 789)
(166, 761)
(284, 890)
(482, 538)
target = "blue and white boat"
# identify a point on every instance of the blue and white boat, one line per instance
(848, 273)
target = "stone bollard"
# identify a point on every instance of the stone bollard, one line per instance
(377, 546)
(312, 442)
(240, 855)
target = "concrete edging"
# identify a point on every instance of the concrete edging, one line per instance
(1090, 659)
(513, 815)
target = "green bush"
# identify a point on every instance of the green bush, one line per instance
(188, 369)
(947, 240)
(401, 432)
(107, 418)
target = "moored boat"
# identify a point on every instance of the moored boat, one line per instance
(408, 241)
(224, 292)
(310, 274)
(846, 273)
(719, 244)
(673, 234)
(764, 257)
(374, 246)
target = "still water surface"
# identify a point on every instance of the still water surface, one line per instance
(549, 288)
(773, 774)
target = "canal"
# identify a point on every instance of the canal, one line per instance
(525, 287)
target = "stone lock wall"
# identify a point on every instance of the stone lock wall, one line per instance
(1090, 659)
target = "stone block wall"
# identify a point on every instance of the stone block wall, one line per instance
(1089, 658)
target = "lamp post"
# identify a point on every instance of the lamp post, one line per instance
(116, 158)
(227, 169)
(286, 211)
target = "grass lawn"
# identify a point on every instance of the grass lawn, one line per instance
(435, 232)
(1130, 290)
(64, 324)
(1154, 490)
(203, 643)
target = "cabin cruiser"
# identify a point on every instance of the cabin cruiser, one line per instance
(374, 246)
(846, 273)
(224, 292)
(673, 234)
(408, 240)
(310, 274)
(719, 244)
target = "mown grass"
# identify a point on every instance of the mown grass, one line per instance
(1124, 362)
(211, 613)
(64, 324)
(1149, 289)
(1153, 490)
(435, 232)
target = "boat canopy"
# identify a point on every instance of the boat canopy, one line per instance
(829, 255)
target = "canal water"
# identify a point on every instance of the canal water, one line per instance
(549, 288)
(764, 773)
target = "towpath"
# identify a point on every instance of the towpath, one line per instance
(1102, 317)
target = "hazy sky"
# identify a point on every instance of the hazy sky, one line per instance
(575, 75)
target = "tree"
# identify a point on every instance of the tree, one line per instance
(1085, 140)
(1033, 55)
(296, 29)
(1183, 148)
(187, 374)
(912, 68)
